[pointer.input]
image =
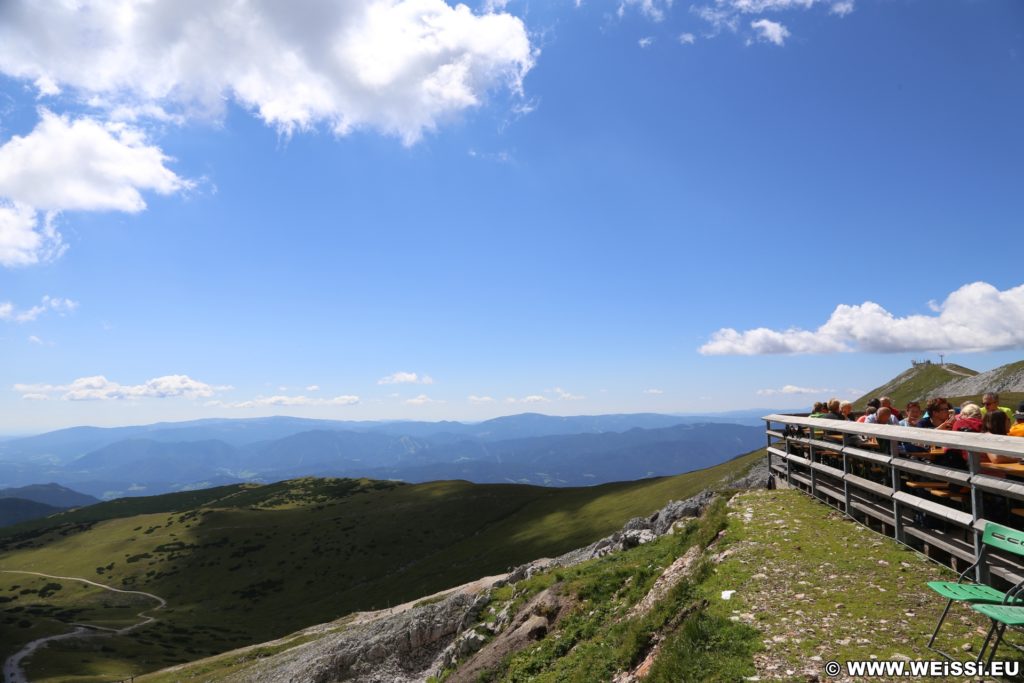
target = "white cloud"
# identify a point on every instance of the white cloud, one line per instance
(397, 66)
(61, 306)
(646, 42)
(313, 387)
(287, 401)
(652, 9)
(85, 165)
(421, 400)
(533, 398)
(66, 164)
(842, 8)
(976, 317)
(22, 241)
(99, 388)
(790, 389)
(770, 31)
(565, 395)
(654, 392)
(687, 38)
(406, 378)
(726, 14)
(480, 399)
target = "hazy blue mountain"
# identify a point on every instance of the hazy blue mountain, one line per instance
(140, 460)
(50, 494)
(14, 510)
(584, 459)
(64, 445)
(307, 449)
(529, 447)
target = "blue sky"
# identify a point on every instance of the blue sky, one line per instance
(410, 210)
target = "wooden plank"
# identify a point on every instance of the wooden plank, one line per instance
(772, 432)
(830, 491)
(800, 478)
(1003, 487)
(945, 473)
(933, 508)
(989, 443)
(792, 457)
(943, 540)
(862, 454)
(873, 510)
(873, 486)
(827, 469)
(776, 451)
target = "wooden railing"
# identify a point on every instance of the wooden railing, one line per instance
(862, 470)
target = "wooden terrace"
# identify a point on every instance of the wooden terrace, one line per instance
(864, 471)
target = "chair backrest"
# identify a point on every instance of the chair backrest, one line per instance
(1004, 538)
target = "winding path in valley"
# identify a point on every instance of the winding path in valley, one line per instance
(13, 673)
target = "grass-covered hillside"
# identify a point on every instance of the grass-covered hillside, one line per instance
(244, 564)
(955, 382)
(805, 587)
(915, 383)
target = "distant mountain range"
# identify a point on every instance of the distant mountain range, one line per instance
(38, 500)
(526, 448)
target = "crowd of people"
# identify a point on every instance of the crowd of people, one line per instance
(937, 413)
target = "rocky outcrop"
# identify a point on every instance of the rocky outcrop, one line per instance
(1004, 378)
(540, 615)
(398, 648)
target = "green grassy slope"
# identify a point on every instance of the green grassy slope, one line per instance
(914, 384)
(808, 586)
(244, 564)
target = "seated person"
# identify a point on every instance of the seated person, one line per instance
(873, 405)
(995, 422)
(818, 410)
(939, 415)
(1018, 429)
(969, 420)
(833, 410)
(886, 402)
(845, 408)
(991, 402)
(882, 416)
(913, 415)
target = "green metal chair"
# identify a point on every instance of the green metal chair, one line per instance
(978, 594)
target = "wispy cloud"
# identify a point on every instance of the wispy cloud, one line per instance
(645, 42)
(287, 401)
(728, 15)
(99, 388)
(421, 400)
(654, 392)
(976, 317)
(842, 8)
(564, 395)
(654, 10)
(770, 31)
(533, 398)
(687, 38)
(479, 399)
(790, 389)
(313, 387)
(10, 313)
(406, 378)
